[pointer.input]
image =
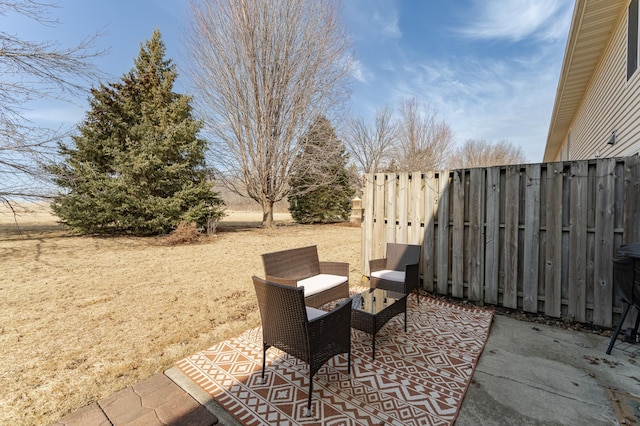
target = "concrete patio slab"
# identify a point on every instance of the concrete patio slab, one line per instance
(533, 374)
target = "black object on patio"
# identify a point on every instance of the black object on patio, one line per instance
(626, 277)
(311, 335)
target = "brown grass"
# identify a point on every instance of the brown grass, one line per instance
(84, 317)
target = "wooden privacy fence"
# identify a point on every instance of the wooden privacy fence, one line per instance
(539, 237)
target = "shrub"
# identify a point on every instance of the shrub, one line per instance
(185, 233)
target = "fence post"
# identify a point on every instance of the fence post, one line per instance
(357, 212)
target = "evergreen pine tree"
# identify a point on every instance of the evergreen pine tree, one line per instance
(320, 186)
(137, 165)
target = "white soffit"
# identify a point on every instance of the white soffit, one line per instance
(592, 25)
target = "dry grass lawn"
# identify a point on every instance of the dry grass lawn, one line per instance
(84, 317)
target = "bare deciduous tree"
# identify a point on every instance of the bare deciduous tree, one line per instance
(425, 142)
(263, 71)
(480, 153)
(369, 146)
(33, 70)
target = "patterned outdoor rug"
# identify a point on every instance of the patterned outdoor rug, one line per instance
(418, 378)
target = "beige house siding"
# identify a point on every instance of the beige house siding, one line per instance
(609, 104)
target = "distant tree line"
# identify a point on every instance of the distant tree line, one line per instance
(417, 139)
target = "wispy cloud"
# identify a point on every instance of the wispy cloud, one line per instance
(518, 19)
(507, 98)
(374, 18)
(47, 114)
(491, 99)
(359, 71)
(387, 21)
(491, 76)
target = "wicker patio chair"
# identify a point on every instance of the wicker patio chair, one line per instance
(323, 282)
(309, 334)
(626, 278)
(399, 270)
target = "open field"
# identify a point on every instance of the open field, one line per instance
(84, 317)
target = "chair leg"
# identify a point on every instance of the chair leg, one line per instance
(615, 335)
(349, 363)
(405, 319)
(264, 360)
(310, 393)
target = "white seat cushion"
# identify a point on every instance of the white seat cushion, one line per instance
(320, 282)
(313, 313)
(389, 275)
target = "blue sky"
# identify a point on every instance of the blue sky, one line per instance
(489, 67)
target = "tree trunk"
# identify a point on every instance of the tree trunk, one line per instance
(267, 214)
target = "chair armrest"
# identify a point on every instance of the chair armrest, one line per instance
(412, 277)
(336, 322)
(377, 265)
(335, 268)
(340, 307)
(283, 281)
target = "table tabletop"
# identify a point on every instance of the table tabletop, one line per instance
(375, 300)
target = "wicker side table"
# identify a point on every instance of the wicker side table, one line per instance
(373, 308)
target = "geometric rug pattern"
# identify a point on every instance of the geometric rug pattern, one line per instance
(417, 378)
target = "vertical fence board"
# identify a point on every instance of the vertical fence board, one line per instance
(511, 214)
(377, 247)
(402, 221)
(618, 203)
(443, 232)
(367, 226)
(429, 195)
(553, 249)
(603, 270)
(492, 236)
(531, 239)
(591, 238)
(390, 209)
(578, 242)
(415, 236)
(457, 235)
(476, 234)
